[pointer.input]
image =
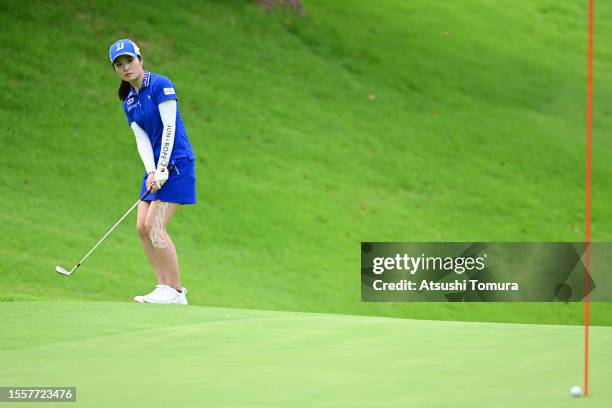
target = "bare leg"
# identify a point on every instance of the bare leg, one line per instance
(157, 219)
(143, 209)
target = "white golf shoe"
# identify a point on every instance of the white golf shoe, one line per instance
(167, 295)
(183, 296)
(140, 298)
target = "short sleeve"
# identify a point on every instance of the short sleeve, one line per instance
(127, 113)
(163, 90)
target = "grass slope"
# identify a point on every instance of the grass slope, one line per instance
(474, 131)
(120, 354)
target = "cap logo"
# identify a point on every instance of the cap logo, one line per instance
(119, 46)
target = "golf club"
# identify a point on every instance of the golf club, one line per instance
(65, 272)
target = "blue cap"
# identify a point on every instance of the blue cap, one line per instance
(123, 47)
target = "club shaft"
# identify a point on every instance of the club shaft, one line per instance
(142, 197)
(110, 230)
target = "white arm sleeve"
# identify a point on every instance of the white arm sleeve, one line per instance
(167, 111)
(144, 147)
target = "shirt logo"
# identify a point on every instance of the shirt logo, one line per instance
(145, 80)
(133, 105)
(169, 91)
(129, 101)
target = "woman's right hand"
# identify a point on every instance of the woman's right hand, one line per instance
(150, 182)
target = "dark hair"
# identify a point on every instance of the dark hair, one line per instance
(124, 90)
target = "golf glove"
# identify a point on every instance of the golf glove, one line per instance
(161, 175)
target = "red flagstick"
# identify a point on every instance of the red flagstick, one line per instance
(588, 202)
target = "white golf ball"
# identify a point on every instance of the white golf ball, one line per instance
(576, 391)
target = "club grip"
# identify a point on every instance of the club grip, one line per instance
(146, 193)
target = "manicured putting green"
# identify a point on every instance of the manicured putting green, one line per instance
(123, 354)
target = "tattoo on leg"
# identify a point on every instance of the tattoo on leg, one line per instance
(158, 235)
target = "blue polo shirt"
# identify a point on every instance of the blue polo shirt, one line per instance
(142, 107)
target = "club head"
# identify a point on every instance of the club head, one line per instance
(61, 270)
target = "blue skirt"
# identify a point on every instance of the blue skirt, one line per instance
(180, 187)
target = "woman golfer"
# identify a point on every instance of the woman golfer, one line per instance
(150, 105)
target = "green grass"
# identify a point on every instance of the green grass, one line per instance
(120, 354)
(476, 133)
